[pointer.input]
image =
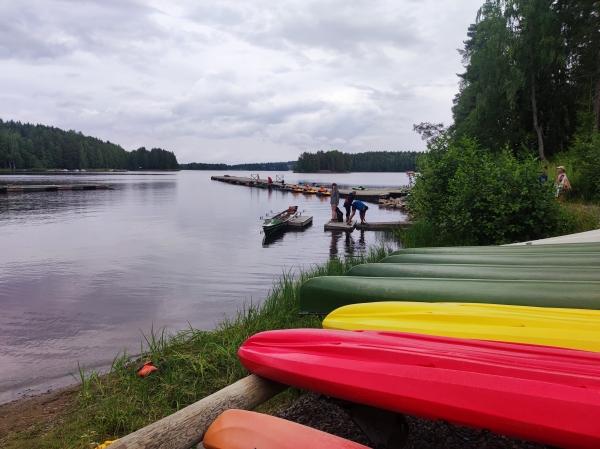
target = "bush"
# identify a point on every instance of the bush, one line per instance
(477, 197)
(584, 158)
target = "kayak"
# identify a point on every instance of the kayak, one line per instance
(561, 260)
(562, 328)
(465, 271)
(240, 429)
(542, 394)
(323, 295)
(556, 249)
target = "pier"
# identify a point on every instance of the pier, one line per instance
(370, 196)
(26, 188)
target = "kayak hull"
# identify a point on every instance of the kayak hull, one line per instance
(323, 295)
(240, 429)
(467, 271)
(548, 395)
(559, 260)
(525, 249)
(563, 328)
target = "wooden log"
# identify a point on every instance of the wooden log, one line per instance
(186, 428)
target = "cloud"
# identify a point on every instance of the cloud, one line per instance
(227, 79)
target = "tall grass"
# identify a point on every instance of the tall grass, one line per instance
(192, 364)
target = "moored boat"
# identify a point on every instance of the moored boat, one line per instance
(279, 221)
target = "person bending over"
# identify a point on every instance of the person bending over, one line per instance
(348, 205)
(362, 211)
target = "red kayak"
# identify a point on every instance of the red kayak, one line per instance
(538, 393)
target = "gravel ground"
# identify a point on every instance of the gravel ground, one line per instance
(316, 411)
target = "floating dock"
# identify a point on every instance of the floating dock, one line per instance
(340, 226)
(25, 188)
(370, 196)
(383, 225)
(301, 221)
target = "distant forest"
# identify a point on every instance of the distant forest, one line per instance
(264, 166)
(374, 161)
(27, 146)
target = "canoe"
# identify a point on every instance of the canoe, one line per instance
(526, 249)
(279, 221)
(323, 295)
(561, 260)
(465, 271)
(562, 328)
(240, 429)
(542, 394)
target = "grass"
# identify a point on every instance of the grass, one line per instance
(192, 363)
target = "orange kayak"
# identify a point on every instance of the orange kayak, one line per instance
(239, 429)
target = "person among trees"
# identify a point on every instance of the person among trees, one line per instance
(362, 209)
(334, 200)
(562, 183)
(544, 175)
(348, 205)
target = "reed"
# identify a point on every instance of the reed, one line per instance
(192, 364)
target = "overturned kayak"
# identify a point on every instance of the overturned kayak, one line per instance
(548, 395)
(556, 260)
(323, 295)
(240, 429)
(562, 328)
(556, 249)
(467, 271)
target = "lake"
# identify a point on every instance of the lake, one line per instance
(84, 273)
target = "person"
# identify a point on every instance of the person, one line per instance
(269, 180)
(334, 200)
(282, 182)
(544, 175)
(562, 183)
(348, 205)
(322, 189)
(362, 210)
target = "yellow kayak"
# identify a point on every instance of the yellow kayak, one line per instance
(563, 328)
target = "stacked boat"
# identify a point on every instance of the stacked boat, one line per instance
(504, 339)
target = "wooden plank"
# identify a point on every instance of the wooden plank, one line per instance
(383, 225)
(340, 226)
(186, 428)
(301, 221)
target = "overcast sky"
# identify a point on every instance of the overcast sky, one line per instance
(234, 81)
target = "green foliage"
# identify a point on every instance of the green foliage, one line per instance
(584, 159)
(372, 161)
(262, 166)
(474, 196)
(528, 62)
(38, 147)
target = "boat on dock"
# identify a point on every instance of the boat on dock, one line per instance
(279, 221)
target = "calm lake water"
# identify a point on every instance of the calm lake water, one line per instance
(84, 273)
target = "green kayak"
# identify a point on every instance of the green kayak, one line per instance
(558, 260)
(526, 249)
(323, 295)
(465, 271)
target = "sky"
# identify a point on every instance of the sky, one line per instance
(234, 81)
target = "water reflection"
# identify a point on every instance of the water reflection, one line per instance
(82, 272)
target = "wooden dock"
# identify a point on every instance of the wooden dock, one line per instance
(383, 225)
(26, 188)
(301, 221)
(340, 226)
(370, 196)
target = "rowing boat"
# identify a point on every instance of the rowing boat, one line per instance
(279, 221)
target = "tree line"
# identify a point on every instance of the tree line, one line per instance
(373, 161)
(28, 146)
(262, 166)
(532, 75)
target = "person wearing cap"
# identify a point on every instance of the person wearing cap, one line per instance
(334, 200)
(562, 182)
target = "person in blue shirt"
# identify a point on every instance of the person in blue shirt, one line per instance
(362, 210)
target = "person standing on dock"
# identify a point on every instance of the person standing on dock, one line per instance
(362, 211)
(348, 204)
(334, 201)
